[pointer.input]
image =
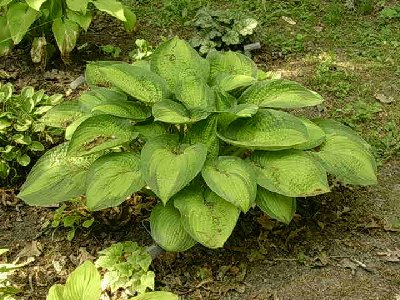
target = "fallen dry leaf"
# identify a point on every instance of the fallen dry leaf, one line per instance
(390, 255)
(384, 99)
(289, 20)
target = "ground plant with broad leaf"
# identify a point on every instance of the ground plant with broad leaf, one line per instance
(210, 137)
(22, 135)
(221, 29)
(41, 20)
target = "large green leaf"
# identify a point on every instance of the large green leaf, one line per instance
(6, 41)
(112, 7)
(150, 130)
(83, 20)
(56, 292)
(168, 166)
(83, 283)
(66, 34)
(280, 93)
(208, 218)
(333, 127)
(175, 60)
(35, 4)
(62, 115)
(78, 5)
(316, 136)
(279, 207)
(112, 178)
(56, 177)
(19, 18)
(69, 131)
(230, 63)
(130, 22)
(195, 94)
(101, 132)
(156, 296)
(233, 180)
(205, 131)
(169, 111)
(227, 82)
(99, 96)
(133, 110)
(93, 75)
(348, 160)
(292, 173)
(267, 130)
(167, 230)
(140, 83)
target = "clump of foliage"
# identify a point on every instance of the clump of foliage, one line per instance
(127, 267)
(209, 137)
(7, 290)
(390, 13)
(63, 18)
(71, 218)
(221, 29)
(22, 135)
(143, 50)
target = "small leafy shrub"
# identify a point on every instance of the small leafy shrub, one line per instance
(143, 50)
(63, 18)
(7, 289)
(22, 135)
(127, 267)
(209, 137)
(217, 29)
(390, 13)
(71, 218)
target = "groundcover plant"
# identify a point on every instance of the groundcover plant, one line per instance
(209, 137)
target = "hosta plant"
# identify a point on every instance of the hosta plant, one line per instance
(64, 19)
(22, 135)
(220, 29)
(209, 137)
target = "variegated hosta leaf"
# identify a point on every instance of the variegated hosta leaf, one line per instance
(133, 110)
(167, 166)
(267, 130)
(99, 133)
(167, 230)
(348, 160)
(333, 127)
(195, 94)
(292, 173)
(112, 178)
(228, 82)
(279, 207)
(243, 110)
(83, 283)
(56, 177)
(175, 60)
(232, 63)
(208, 218)
(233, 180)
(315, 133)
(280, 93)
(62, 115)
(156, 296)
(169, 111)
(205, 131)
(140, 83)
